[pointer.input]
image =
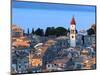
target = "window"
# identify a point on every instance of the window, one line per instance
(72, 36)
(19, 66)
(48, 65)
(72, 31)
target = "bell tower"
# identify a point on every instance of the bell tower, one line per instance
(73, 33)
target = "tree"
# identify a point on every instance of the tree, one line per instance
(94, 28)
(90, 31)
(83, 39)
(50, 31)
(28, 32)
(47, 31)
(32, 31)
(76, 31)
(39, 32)
(60, 31)
(68, 30)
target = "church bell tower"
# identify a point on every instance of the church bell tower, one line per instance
(73, 33)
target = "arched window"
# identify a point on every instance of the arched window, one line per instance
(72, 36)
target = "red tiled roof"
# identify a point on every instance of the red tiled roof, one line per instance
(20, 43)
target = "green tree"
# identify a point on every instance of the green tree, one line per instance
(28, 32)
(68, 30)
(90, 31)
(39, 32)
(32, 31)
(60, 31)
(47, 31)
(76, 31)
(50, 31)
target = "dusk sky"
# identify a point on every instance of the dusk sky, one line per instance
(41, 15)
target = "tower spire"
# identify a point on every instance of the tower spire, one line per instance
(73, 21)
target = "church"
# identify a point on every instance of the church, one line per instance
(77, 40)
(73, 33)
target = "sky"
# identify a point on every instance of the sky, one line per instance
(42, 15)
